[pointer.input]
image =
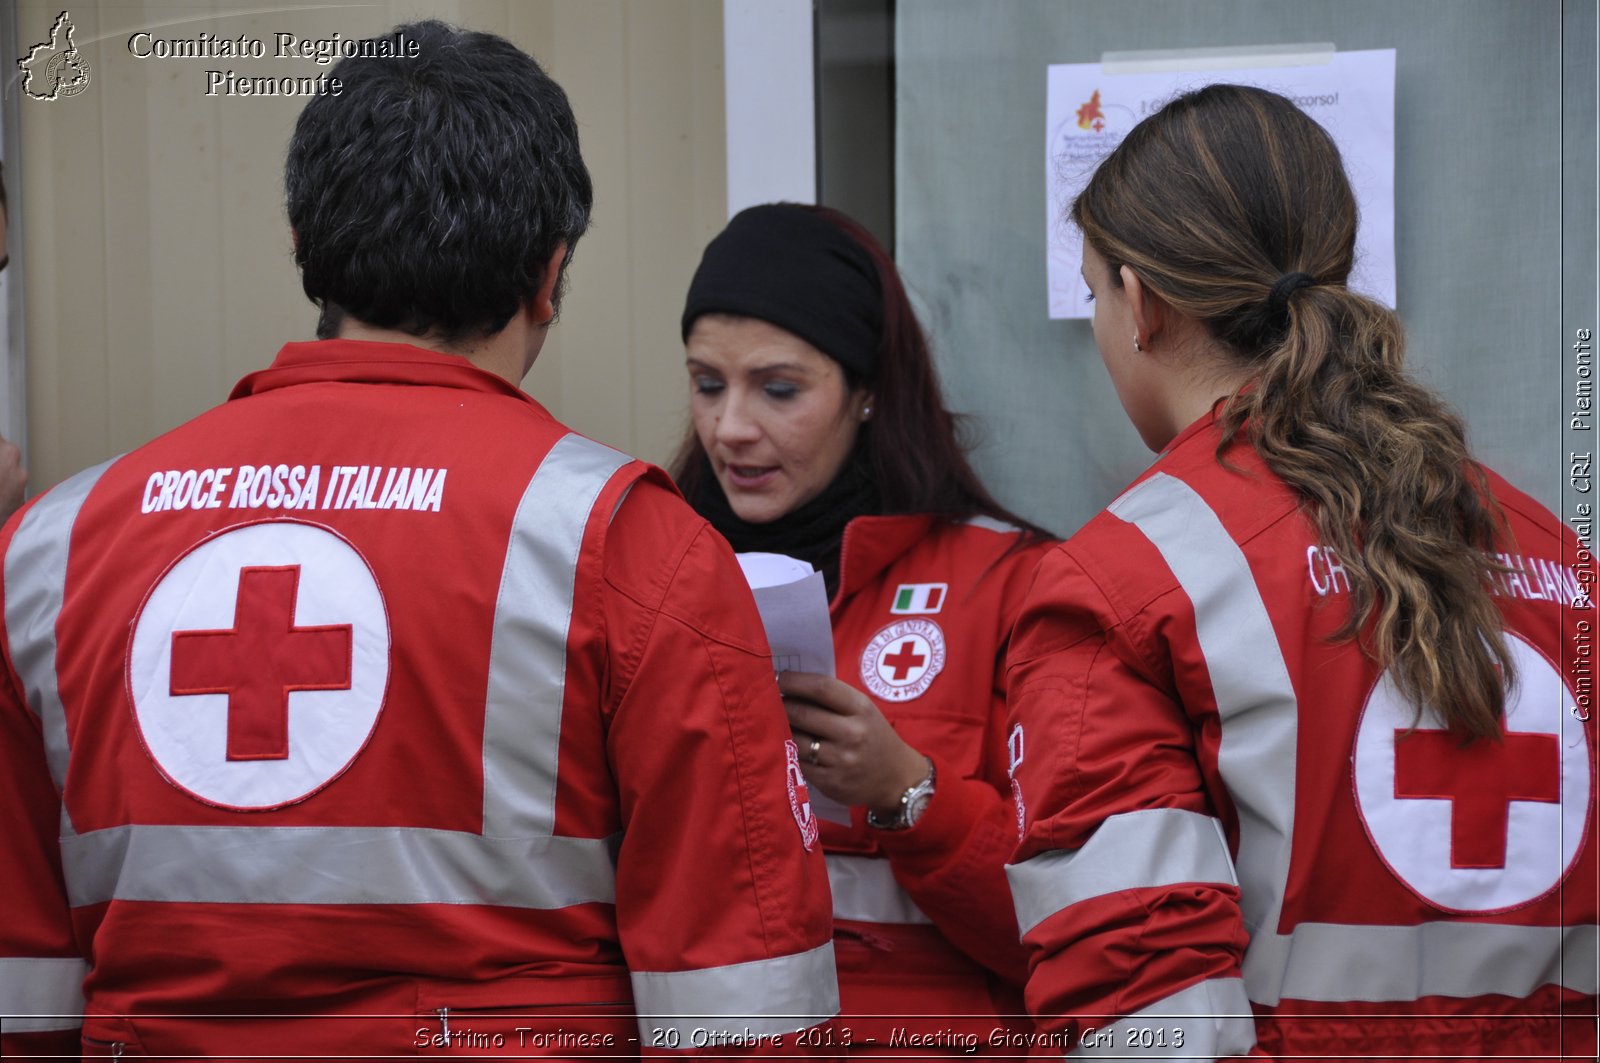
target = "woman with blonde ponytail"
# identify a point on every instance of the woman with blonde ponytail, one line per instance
(1296, 731)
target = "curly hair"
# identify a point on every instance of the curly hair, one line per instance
(429, 195)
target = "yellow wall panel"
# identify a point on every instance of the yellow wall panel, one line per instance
(158, 259)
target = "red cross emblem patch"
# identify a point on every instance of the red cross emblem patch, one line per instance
(799, 796)
(902, 659)
(1487, 826)
(258, 664)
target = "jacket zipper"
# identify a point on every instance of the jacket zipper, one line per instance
(115, 1047)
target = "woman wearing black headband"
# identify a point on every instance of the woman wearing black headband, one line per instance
(1309, 768)
(820, 432)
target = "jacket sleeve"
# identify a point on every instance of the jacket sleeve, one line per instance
(952, 862)
(41, 967)
(1123, 882)
(722, 896)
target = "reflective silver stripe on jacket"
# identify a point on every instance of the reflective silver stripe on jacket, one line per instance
(517, 861)
(36, 587)
(1209, 1020)
(1249, 680)
(1134, 850)
(334, 865)
(1259, 716)
(42, 994)
(1336, 962)
(762, 997)
(528, 653)
(864, 889)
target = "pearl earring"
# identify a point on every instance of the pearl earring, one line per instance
(866, 413)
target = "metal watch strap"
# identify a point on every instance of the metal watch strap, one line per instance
(915, 796)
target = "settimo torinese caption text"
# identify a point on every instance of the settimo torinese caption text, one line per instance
(320, 51)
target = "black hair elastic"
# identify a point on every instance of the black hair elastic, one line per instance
(1288, 284)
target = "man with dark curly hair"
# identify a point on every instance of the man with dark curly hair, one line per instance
(376, 712)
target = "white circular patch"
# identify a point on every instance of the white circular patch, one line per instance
(259, 663)
(902, 659)
(1485, 827)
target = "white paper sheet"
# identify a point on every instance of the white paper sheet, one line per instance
(1092, 106)
(794, 609)
(793, 602)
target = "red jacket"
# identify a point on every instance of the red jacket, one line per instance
(375, 693)
(1225, 816)
(921, 621)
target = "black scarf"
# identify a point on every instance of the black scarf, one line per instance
(814, 532)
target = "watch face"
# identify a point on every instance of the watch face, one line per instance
(917, 806)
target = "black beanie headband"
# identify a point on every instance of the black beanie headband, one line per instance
(794, 269)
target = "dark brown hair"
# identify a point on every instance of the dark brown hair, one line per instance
(1210, 202)
(913, 445)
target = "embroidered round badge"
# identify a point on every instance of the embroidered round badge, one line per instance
(1483, 827)
(800, 797)
(902, 660)
(258, 664)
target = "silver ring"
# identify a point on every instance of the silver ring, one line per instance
(816, 747)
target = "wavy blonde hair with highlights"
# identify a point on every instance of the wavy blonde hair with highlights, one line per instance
(1211, 202)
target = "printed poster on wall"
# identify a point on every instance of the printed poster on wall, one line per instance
(1089, 110)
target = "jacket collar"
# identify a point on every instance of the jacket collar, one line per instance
(365, 362)
(1206, 422)
(872, 544)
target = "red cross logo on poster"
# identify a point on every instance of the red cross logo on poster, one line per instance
(1487, 826)
(258, 664)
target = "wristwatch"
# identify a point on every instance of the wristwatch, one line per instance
(913, 803)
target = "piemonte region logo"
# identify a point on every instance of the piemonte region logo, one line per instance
(1098, 115)
(1090, 116)
(55, 68)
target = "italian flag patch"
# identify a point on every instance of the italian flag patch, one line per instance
(919, 598)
